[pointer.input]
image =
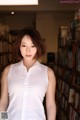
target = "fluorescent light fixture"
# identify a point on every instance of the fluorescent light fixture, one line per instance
(18, 2)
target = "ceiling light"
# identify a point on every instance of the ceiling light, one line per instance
(12, 13)
(18, 2)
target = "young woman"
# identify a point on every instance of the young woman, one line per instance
(25, 84)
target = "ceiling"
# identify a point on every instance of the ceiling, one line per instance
(48, 6)
(44, 6)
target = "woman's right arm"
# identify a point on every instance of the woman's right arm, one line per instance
(4, 90)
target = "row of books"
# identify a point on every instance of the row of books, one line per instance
(5, 59)
(74, 100)
(69, 93)
(4, 29)
(61, 99)
(68, 72)
(65, 37)
(60, 71)
(70, 57)
(73, 115)
(5, 46)
(62, 35)
(66, 110)
(61, 115)
(67, 57)
(78, 59)
(69, 77)
(70, 106)
(74, 36)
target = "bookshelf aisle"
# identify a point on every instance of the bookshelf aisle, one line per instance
(68, 72)
(6, 47)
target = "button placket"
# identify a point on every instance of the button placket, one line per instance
(24, 100)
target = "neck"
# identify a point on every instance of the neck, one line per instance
(29, 63)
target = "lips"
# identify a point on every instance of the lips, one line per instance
(28, 55)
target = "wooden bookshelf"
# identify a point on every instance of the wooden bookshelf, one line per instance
(6, 48)
(68, 73)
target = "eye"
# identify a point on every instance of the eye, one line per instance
(23, 45)
(32, 46)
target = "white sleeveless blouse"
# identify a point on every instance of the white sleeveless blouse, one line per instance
(27, 91)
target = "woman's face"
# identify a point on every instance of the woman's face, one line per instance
(27, 48)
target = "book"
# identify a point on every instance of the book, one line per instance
(1, 46)
(77, 101)
(77, 82)
(73, 115)
(71, 96)
(78, 59)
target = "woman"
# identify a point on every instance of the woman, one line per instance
(24, 84)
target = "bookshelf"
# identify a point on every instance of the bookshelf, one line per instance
(68, 72)
(5, 52)
(6, 48)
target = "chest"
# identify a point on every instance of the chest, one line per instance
(32, 82)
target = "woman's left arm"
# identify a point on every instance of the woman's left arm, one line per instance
(50, 96)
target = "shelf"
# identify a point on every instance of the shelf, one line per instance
(68, 75)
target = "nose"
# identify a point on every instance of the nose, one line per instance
(28, 49)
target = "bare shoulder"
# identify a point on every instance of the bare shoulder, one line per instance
(51, 74)
(6, 70)
(5, 74)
